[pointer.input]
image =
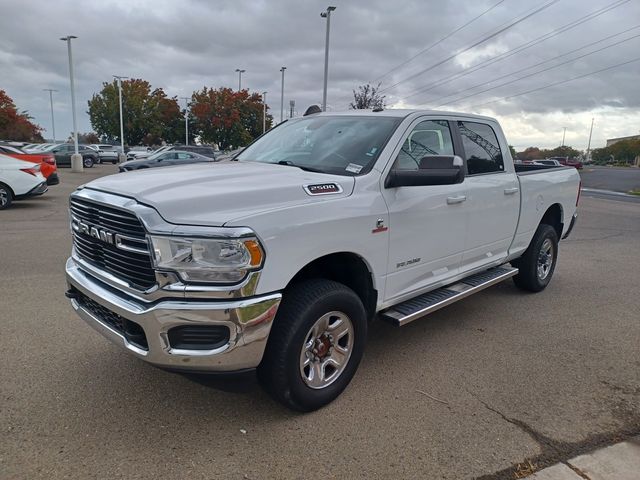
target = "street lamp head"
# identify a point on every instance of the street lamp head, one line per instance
(68, 37)
(283, 69)
(239, 70)
(325, 13)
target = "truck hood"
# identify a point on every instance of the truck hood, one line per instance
(214, 194)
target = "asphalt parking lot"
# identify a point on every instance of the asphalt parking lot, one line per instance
(500, 379)
(617, 179)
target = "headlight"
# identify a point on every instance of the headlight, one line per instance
(212, 260)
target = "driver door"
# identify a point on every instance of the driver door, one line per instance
(427, 224)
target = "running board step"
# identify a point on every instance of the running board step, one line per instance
(421, 305)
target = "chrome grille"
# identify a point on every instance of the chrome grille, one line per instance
(128, 257)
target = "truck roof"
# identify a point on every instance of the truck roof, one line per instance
(403, 113)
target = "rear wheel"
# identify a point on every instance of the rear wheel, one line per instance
(88, 162)
(6, 196)
(538, 262)
(315, 345)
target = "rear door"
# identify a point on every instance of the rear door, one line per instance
(493, 196)
(427, 224)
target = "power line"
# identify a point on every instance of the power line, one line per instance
(518, 49)
(475, 44)
(536, 72)
(439, 41)
(556, 83)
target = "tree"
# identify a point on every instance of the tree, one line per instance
(227, 117)
(16, 125)
(91, 137)
(149, 115)
(513, 152)
(367, 98)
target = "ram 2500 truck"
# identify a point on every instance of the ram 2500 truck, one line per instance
(279, 259)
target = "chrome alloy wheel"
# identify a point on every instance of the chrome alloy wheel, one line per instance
(545, 259)
(4, 197)
(326, 350)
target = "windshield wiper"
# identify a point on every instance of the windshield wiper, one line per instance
(302, 167)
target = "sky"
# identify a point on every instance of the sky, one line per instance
(582, 60)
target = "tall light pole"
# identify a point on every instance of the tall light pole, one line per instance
(282, 96)
(563, 134)
(53, 122)
(120, 78)
(589, 144)
(186, 120)
(264, 112)
(240, 72)
(68, 39)
(326, 14)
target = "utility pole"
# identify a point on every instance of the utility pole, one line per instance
(589, 144)
(240, 72)
(326, 14)
(120, 78)
(264, 112)
(186, 120)
(563, 135)
(282, 96)
(53, 122)
(76, 159)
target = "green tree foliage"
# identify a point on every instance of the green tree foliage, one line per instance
(16, 125)
(624, 151)
(367, 98)
(513, 151)
(149, 115)
(227, 117)
(535, 153)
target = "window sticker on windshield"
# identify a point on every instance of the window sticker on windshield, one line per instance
(353, 168)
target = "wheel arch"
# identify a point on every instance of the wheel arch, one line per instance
(348, 268)
(554, 216)
(13, 194)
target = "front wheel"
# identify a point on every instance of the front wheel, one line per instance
(538, 262)
(88, 162)
(315, 345)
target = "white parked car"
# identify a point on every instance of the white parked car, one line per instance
(106, 152)
(19, 180)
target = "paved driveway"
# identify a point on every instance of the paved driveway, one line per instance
(617, 179)
(505, 377)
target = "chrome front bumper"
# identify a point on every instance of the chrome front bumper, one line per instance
(249, 321)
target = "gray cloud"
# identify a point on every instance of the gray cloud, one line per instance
(185, 45)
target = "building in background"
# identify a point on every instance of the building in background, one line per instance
(611, 141)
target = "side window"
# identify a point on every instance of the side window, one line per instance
(428, 138)
(183, 156)
(481, 147)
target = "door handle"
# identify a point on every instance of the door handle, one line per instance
(511, 191)
(454, 200)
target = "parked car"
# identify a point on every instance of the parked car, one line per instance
(46, 161)
(40, 147)
(141, 152)
(106, 152)
(164, 159)
(205, 150)
(548, 162)
(279, 259)
(19, 180)
(64, 151)
(569, 162)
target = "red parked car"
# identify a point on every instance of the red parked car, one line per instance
(569, 162)
(47, 162)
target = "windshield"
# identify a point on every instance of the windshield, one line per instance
(342, 145)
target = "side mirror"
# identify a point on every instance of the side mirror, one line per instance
(434, 170)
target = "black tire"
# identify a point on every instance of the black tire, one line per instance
(529, 277)
(6, 196)
(303, 305)
(88, 162)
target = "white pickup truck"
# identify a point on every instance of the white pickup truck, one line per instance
(279, 259)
